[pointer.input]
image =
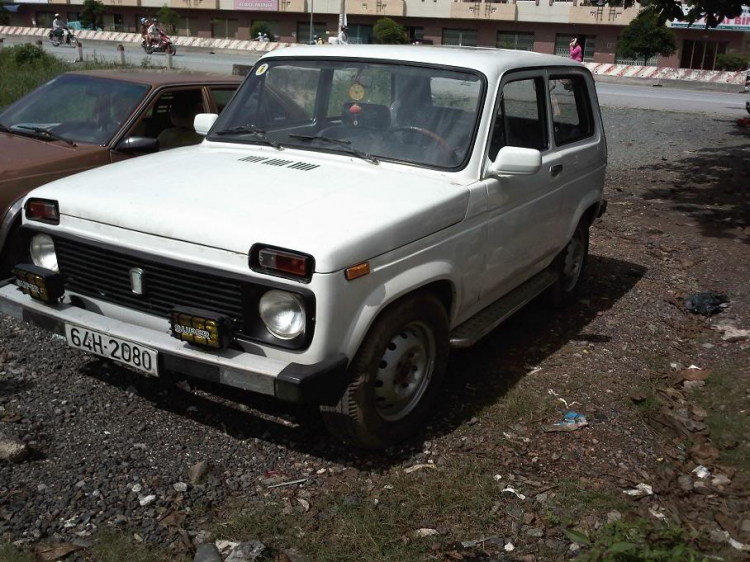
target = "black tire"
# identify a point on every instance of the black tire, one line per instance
(171, 49)
(571, 266)
(14, 251)
(363, 415)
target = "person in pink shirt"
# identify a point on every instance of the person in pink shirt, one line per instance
(576, 53)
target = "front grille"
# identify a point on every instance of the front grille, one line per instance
(104, 274)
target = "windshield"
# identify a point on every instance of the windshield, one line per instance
(420, 115)
(75, 108)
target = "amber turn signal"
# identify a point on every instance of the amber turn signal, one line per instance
(359, 270)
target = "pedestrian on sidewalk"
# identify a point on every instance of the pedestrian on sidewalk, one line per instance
(576, 53)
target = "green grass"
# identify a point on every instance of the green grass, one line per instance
(638, 540)
(459, 497)
(24, 67)
(725, 396)
(9, 553)
(116, 546)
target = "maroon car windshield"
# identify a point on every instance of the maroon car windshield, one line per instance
(76, 108)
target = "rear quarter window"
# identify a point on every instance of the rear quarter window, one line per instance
(572, 116)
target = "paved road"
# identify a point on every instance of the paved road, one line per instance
(200, 60)
(612, 95)
(672, 99)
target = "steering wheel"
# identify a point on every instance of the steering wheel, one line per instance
(434, 137)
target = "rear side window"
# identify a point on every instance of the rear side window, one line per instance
(571, 109)
(521, 118)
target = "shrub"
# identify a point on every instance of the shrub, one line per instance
(91, 14)
(30, 55)
(389, 32)
(169, 18)
(261, 27)
(733, 61)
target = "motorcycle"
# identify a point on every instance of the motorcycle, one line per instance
(164, 46)
(66, 37)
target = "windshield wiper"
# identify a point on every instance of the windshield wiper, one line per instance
(46, 134)
(5, 129)
(347, 145)
(256, 132)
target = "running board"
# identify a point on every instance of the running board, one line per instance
(486, 320)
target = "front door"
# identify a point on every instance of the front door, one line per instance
(525, 229)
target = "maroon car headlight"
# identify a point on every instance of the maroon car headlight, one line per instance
(42, 210)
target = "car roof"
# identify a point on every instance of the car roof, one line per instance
(160, 78)
(491, 62)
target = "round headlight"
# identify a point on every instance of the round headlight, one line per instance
(283, 314)
(42, 250)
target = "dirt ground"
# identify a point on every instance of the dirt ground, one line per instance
(485, 480)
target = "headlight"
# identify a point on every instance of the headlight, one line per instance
(283, 314)
(42, 250)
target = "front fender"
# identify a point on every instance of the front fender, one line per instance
(385, 291)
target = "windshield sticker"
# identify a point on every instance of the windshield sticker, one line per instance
(261, 69)
(356, 92)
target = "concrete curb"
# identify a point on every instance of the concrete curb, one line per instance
(675, 84)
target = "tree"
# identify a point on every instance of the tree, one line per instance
(261, 27)
(713, 10)
(389, 32)
(4, 15)
(168, 17)
(645, 37)
(91, 14)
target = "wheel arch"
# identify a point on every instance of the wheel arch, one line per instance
(433, 278)
(11, 220)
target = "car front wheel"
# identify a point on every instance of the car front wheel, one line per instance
(396, 375)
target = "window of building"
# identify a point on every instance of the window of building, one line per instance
(415, 33)
(224, 28)
(303, 31)
(588, 44)
(113, 22)
(360, 34)
(44, 19)
(701, 55)
(520, 120)
(513, 40)
(465, 37)
(187, 26)
(571, 109)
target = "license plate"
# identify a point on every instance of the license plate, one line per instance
(137, 356)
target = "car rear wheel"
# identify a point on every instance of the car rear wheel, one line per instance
(570, 264)
(395, 377)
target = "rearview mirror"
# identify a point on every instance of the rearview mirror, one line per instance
(203, 122)
(516, 161)
(138, 145)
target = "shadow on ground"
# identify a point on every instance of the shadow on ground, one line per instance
(477, 378)
(712, 186)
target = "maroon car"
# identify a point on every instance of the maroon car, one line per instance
(83, 120)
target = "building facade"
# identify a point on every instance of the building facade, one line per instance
(544, 26)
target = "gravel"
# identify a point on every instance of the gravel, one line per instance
(108, 446)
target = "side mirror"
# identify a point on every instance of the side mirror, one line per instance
(203, 122)
(516, 161)
(138, 145)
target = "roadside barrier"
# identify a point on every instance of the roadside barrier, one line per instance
(661, 73)
(206, 43)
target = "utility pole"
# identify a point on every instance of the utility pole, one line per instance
(312, 8)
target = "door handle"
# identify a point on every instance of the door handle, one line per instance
(555, 170)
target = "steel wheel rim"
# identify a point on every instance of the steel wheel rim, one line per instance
(404, 371)
(574, 256)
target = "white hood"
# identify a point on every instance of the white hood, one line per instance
(341, 212)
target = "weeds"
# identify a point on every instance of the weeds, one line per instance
(636, 541)
(116, 546)
(25, 67)
(9, 553)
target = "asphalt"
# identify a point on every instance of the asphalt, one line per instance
(621, 94)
